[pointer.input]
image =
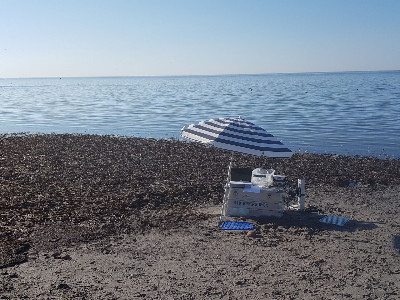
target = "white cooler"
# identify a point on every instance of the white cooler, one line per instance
(247, 200)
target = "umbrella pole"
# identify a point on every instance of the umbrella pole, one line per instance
(228, 179)
(301, 195)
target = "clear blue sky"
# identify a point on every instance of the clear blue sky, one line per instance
(60, 38)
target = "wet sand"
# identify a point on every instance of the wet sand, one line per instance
(105, 217)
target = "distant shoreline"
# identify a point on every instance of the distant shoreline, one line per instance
(202, 75)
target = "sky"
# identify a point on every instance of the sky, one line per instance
(75, 38)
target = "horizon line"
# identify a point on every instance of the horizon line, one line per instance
(205, 75)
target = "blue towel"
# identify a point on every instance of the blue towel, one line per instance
(229, 225)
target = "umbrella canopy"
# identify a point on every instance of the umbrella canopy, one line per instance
(238, 135)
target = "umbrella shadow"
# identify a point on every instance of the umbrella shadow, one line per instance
(311, 220)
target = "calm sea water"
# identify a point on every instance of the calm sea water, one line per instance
(351, 113)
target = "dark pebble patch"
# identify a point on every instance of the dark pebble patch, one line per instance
(68, 189)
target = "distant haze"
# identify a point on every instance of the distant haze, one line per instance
(48, 38)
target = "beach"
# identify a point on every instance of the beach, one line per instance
(112, 217)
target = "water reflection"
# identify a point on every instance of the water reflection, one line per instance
(344, 113)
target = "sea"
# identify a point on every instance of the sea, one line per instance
(343, 113)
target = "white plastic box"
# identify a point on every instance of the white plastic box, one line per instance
(262, 177)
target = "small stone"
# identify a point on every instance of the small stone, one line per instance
(65, 256)
(251, 233)
(63, 286)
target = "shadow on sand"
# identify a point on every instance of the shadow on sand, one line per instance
(311, 220)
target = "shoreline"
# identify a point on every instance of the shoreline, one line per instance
(381, 155)
(84, 194)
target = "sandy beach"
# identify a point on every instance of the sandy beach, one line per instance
(107, 217)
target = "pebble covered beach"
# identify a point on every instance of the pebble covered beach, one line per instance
(66, 197)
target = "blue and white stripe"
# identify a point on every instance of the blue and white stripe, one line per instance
(238, 135)
(336, 220)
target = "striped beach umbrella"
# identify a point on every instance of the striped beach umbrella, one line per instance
(237, 135)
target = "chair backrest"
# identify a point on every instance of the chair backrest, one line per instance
(241, 174)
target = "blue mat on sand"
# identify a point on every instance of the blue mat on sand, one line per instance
(229, 225)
